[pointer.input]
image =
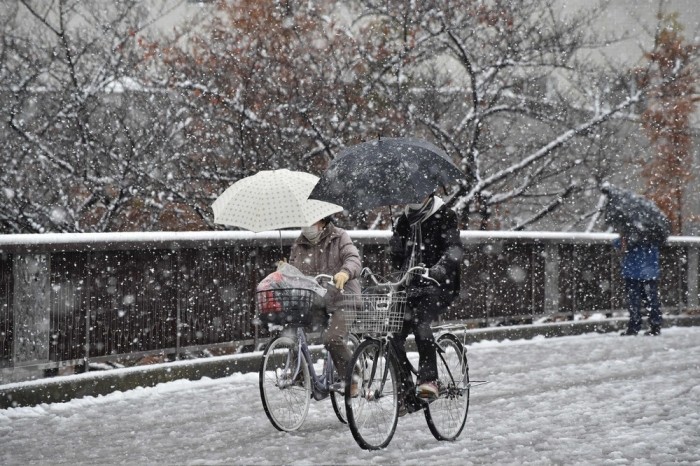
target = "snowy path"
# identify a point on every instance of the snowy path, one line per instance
(587, 399)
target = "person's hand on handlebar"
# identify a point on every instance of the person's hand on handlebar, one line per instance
(437, 272)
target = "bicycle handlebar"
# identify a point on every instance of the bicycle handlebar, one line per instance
(424, 273)
(368, 272)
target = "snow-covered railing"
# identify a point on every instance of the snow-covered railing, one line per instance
(149, 240)
(139, 240)
(69, 298)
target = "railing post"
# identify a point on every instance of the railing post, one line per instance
(86, 347)
(89, 285)
(178, 303)
(31, 306)
(551, 279)
(692, 298)
(253, 267)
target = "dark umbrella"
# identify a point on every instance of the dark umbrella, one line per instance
(635, 217)
(387, 171)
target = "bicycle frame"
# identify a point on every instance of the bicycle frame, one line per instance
(388, 377)
(320, 384)
(406, 372)
(406, 369)
(287, 410)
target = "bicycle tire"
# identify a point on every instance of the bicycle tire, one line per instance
(373, 413)
(285, 398)
(338, 398)
(447, 415)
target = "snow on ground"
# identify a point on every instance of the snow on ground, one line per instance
(590, 399)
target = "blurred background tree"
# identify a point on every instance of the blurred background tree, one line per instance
(87, 147)
(671, 76)
(113, 124)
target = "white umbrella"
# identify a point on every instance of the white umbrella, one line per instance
(270, 200)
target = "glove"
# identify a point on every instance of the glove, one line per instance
(438, 272)
(340, 279)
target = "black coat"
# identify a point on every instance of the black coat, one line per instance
(441, 251)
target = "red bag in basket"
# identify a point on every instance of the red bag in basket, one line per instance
(268, 303)
(274, 290)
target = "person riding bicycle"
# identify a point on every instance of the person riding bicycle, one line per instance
(323, 248)
(427, 233)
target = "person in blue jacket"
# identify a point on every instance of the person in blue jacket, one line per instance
(640, 270)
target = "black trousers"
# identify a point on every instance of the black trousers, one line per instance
(420, 312)
(642, 292)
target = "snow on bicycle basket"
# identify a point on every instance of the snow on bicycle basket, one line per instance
(287, 296)
(375, 312)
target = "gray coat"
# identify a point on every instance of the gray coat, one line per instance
(333, 253)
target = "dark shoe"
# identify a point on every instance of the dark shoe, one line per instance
(628, 333)
(356, 381)
(299, 381)
(355, 385)
(285, 380)
(339, 387)
(653, 331)
(354, 389)
(402, 409)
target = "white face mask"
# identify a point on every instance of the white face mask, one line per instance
(312, 233)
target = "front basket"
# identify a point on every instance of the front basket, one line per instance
(375, 313)
(285, 306)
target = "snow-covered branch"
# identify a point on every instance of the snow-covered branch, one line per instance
(544, 151)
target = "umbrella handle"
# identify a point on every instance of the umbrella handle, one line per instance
(281, 250)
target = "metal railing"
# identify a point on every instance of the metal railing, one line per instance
(73, 298)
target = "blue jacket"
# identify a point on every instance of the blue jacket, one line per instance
(640, 261)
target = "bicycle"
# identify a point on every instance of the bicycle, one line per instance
(373, 414)
(287, 376)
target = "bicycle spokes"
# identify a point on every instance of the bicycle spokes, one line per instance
(372, 415)
(285, 386)
(447, 414)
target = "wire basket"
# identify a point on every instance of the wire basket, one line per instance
(285, 306)
(375, 313)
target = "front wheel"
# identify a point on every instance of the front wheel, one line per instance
(447, 415)
(373, 412)
(285, 384)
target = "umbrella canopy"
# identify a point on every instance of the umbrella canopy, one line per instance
(387, 171)
(634, 216)
(270, 200)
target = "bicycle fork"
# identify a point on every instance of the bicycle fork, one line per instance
(387, 352)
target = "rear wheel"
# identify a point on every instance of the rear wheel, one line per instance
(447, 415)
(338, 398)
(285, 386)
(373, 413)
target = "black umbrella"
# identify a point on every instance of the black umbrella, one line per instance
(387, 171)
(635, 217)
